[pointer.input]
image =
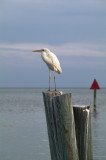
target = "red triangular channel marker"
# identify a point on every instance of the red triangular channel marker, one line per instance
(95, 85)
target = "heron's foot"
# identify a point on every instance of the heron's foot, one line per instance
(55, 90)
(58, 92)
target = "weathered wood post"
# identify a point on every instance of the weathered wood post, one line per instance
(94, 86)
(69, 127)
(83, 132)
(61, 126)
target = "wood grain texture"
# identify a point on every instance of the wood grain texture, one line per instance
(69, 127)
(61, 126)
(83, 132)
(49, 110)
(65, 125)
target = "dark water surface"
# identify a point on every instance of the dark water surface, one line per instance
(23, 131)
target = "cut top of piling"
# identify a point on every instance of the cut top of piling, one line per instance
(53, 93)
(83, 107)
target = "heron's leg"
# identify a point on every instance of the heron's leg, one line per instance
(49, 78)
(54, 80)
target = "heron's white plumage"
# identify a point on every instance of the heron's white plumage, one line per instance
(51, 60)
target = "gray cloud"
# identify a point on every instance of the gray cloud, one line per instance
(74, 30)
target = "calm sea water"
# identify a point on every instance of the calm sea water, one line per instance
(23, 131)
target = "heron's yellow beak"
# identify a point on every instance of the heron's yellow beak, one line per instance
(37, 51)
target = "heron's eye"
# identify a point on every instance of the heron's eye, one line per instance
(43, 50)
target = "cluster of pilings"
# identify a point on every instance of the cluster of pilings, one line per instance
(69, 127)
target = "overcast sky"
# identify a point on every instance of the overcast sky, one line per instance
(75, 30)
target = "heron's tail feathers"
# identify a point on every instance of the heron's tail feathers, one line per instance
(59, 70)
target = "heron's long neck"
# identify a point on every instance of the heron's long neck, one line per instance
(43, 55)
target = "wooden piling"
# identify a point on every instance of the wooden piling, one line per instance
(69, 128)
(61, 126)
(82, 118)
(50, 119)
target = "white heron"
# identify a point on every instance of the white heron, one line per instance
(52, 62)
